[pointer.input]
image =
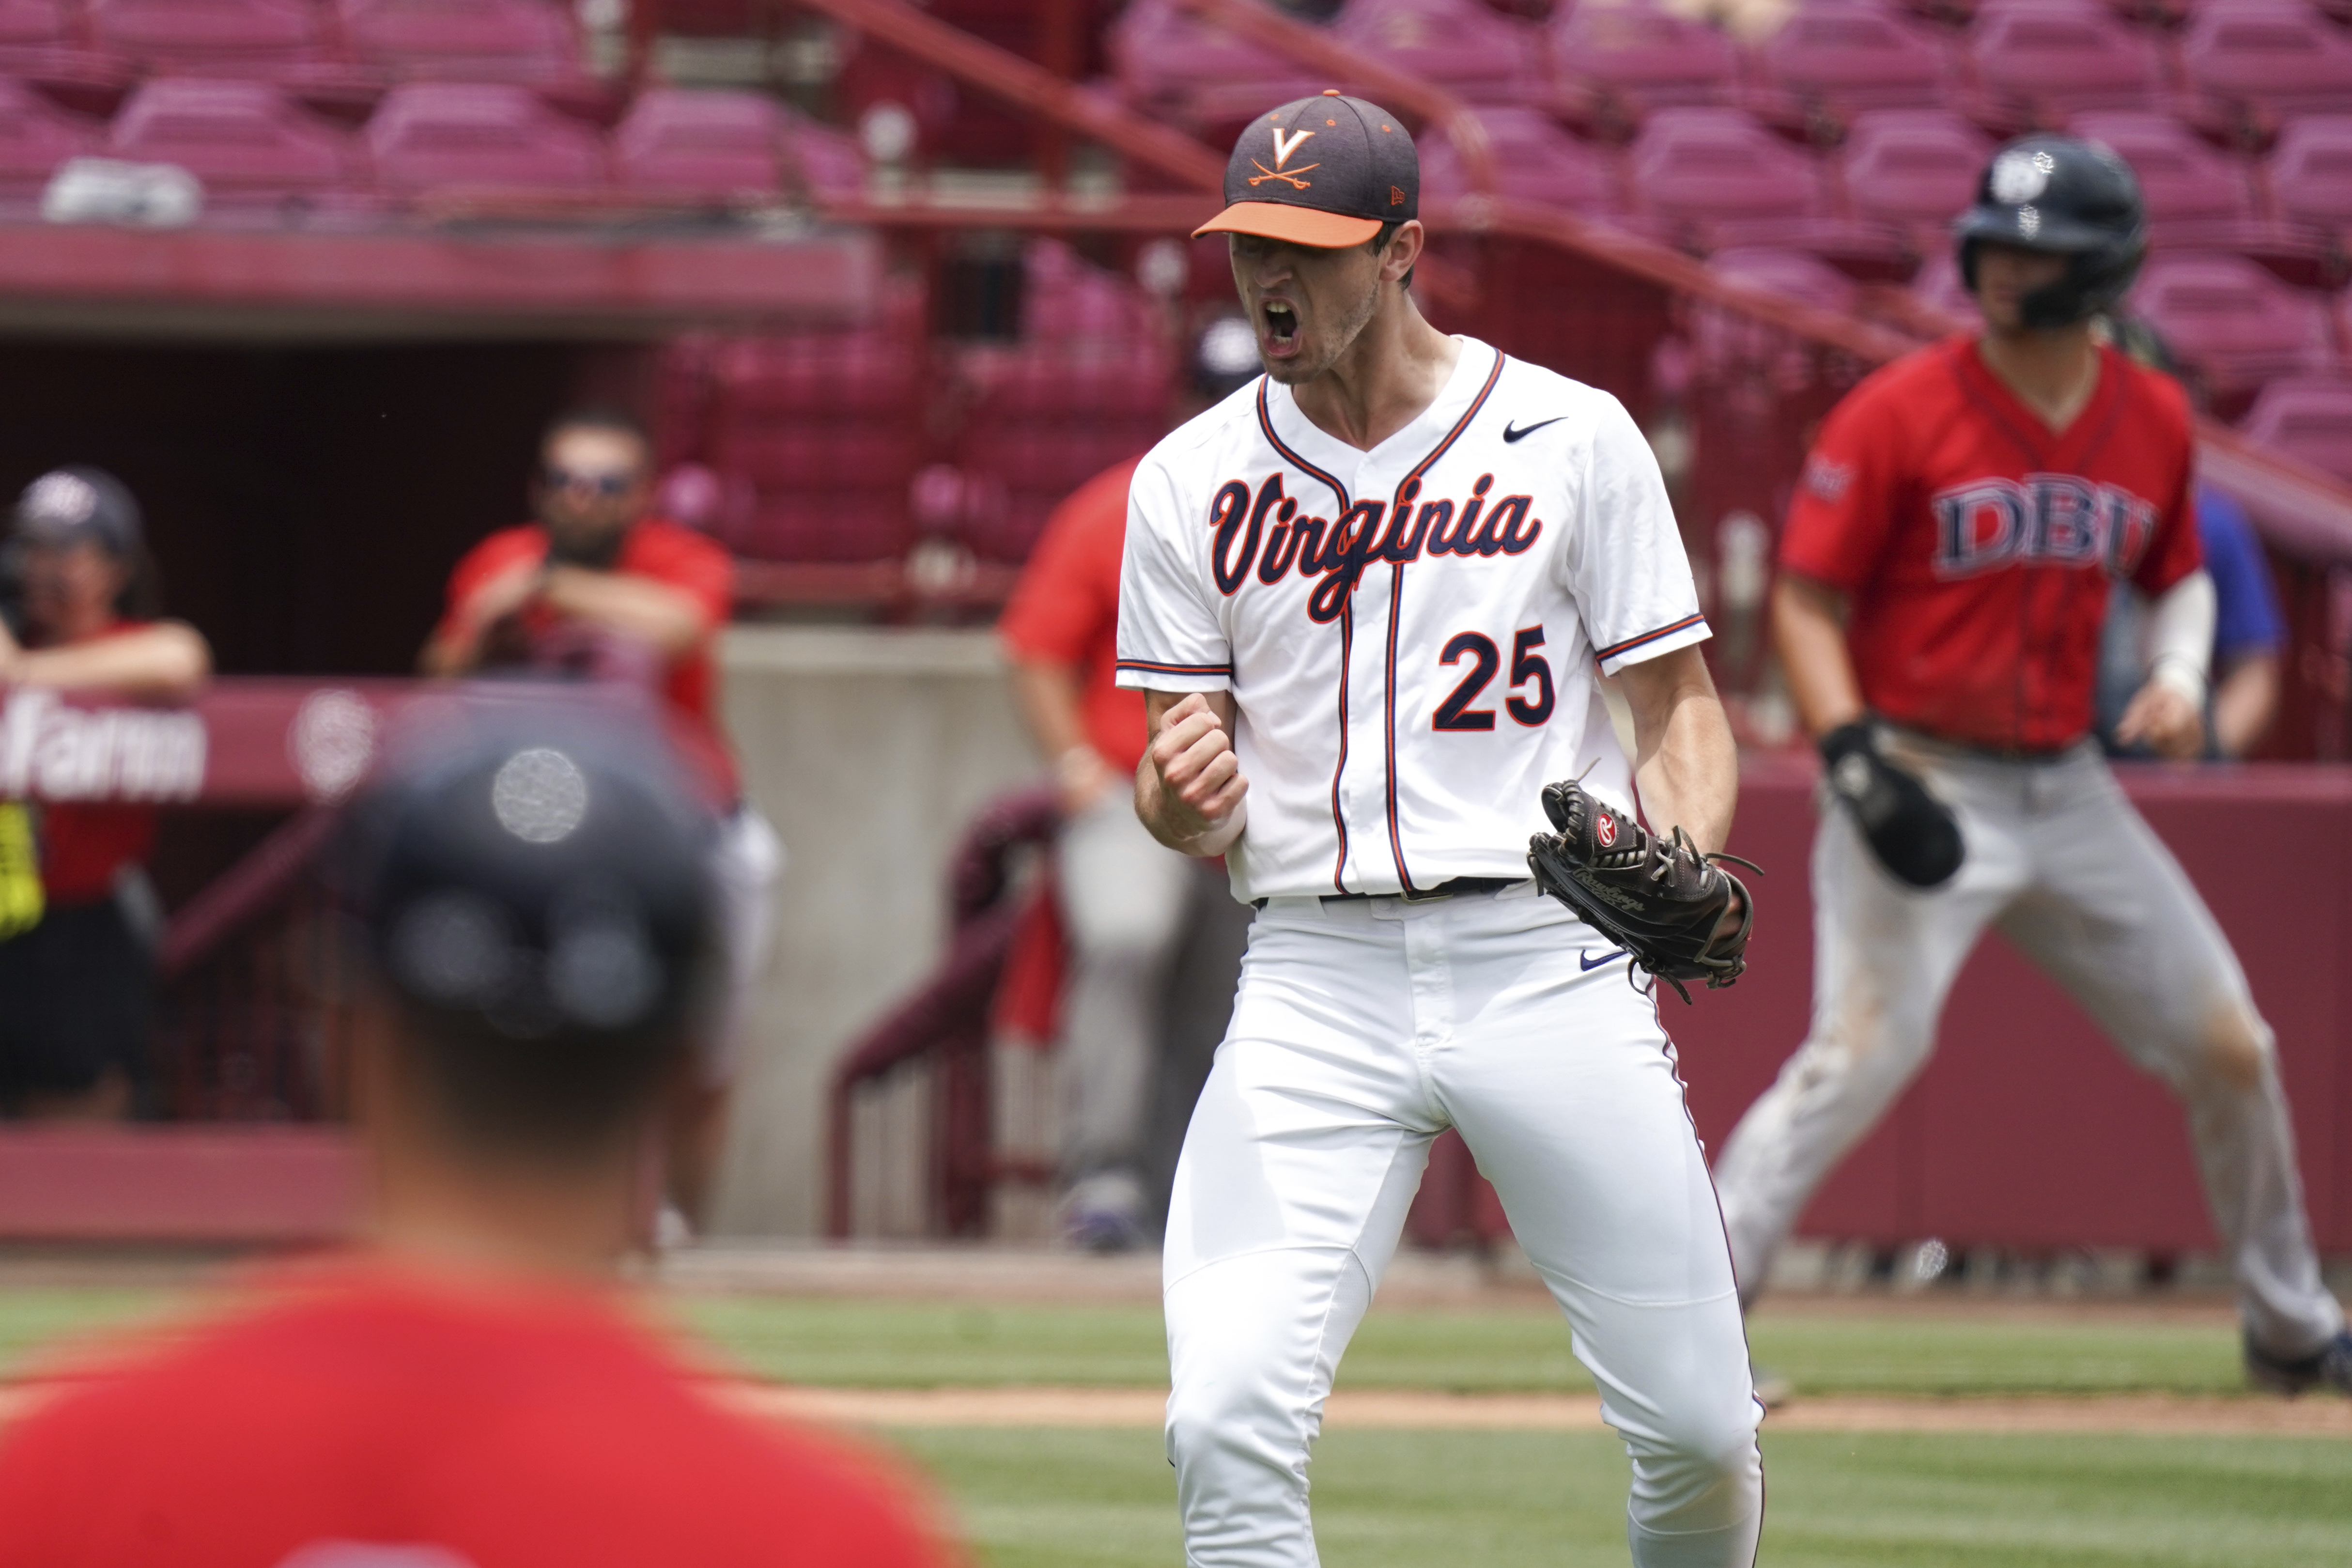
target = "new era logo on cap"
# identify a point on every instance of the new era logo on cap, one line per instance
(1325, 171)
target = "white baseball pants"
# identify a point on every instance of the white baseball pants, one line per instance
(2060, 862)
(1361, 1030)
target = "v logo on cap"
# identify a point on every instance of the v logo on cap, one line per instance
(1285, 142)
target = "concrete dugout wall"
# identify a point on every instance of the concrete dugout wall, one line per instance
(870, 750)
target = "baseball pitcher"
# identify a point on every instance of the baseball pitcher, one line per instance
(1366, 596)
(1945, 571)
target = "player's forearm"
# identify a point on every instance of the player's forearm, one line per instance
(1686, 765)
(2245, 702)
(1809, 634)
(668, 619)
(169, 661)
(1047, 696)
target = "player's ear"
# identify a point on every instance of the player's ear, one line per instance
(1404, 248)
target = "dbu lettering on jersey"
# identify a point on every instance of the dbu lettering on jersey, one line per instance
(2060, 520)
(1265, 532)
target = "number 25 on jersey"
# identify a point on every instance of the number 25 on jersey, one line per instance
(1528, 668)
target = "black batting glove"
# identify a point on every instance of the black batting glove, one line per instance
(1914, 834)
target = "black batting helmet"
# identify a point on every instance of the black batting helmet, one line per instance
(2074, 198)
(531, 869)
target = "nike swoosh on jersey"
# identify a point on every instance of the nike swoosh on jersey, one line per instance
(1512, 433)
(1588, 962)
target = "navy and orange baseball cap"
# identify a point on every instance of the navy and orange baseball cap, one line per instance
(1325, 171)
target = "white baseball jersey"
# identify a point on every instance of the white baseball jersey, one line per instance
(1410, 634)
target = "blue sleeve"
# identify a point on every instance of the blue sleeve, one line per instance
(2248, 619)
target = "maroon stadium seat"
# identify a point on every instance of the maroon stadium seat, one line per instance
(186, 30)
(2311, 170)
(475, 40)
(1463, 46)
(36, 136)
(1165, 57)
(1638, 56)
(2200, 198)
(34, 29)
(1939, 287)
(2277, 53)
(699, 143)
(240, 138)
(1726, 340)
(825, 161)
(481, 134)
(1535, 160)
(1914, 168)
(2046, 57)
(1714, 178)
(817, 434)
(2234, 323)
(2309, 417)
(1855, 54)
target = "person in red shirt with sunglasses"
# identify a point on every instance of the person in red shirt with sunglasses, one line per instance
(602, 587)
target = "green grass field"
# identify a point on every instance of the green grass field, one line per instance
(1903, 1351)
(1059, 1498)
(1389, 1499)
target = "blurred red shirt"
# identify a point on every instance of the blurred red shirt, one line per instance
(1976, 545)
(667, 552)
(1065, 610)
(85, 844)
(368, 1408)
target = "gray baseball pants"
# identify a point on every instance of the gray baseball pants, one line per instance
(2061, 863)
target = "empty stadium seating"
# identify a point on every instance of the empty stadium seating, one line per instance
(1913, 168)
(2234, 325)
(428, 135)
(36, 136)
(709, 144)
(2040, 59)
(2277, 53)
(1851, 54)
(1633, 57)
(1535, 160)
(1462, 45)
(241, 139)
(1168, 60)
(2310, 172)
(247, 32)
(1712, 178)
(471, 40)
(2200, 198)
(2307, 417)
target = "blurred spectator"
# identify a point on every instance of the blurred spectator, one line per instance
(1128, 904)
(532, 927)
(2249, 637)
(78, 919)
(603, 587)
(2249, 634)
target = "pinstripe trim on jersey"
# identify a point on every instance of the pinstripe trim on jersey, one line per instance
(1604, 655)
(1347, 625)
(1396, 599)
(1148, 667)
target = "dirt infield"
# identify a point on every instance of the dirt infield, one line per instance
(2157, 1415)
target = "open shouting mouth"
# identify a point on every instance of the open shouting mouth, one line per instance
(1280, 319)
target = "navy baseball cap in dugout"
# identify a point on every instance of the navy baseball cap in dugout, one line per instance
(1324, 171)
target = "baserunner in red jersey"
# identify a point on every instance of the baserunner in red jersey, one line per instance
(528, 890)
(1946, 567)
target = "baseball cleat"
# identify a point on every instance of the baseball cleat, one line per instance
(2328, 1367)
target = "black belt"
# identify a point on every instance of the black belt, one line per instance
(1459, 887)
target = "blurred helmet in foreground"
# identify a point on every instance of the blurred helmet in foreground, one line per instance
(530, 871)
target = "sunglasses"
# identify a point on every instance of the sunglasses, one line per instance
(606, 485)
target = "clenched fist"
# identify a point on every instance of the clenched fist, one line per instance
(1189, 791)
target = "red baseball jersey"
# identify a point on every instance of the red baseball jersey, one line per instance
(1976, 545)
(667, 552)
(369, 1416)
(1064, 609)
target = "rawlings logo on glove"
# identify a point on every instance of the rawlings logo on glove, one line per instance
(1658, 899)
